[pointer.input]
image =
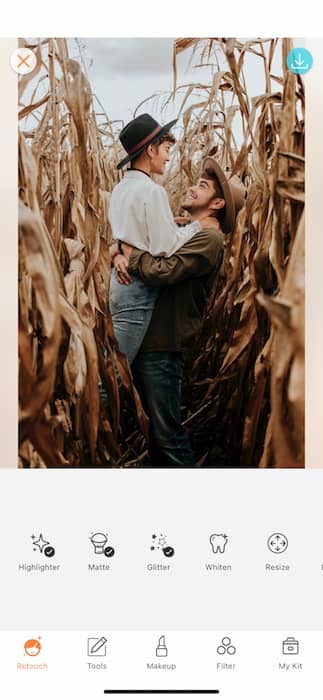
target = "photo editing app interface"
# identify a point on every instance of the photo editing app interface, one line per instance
(161, 523)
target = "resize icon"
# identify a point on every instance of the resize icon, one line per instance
(277, 543)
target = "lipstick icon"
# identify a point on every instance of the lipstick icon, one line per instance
(161, 647)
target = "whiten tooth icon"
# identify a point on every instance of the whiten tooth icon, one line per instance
(218, 543)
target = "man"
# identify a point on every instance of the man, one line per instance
(185, 280)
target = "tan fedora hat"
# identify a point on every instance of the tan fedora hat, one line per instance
(233, 192)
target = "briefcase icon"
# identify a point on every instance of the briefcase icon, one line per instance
(290, 646)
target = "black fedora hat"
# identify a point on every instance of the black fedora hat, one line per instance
(139, 133)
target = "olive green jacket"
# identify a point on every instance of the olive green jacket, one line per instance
(185, 280)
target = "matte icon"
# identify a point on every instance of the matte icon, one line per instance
(100, 544)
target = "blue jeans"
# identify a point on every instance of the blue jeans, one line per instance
(158, 376)
(131, 309)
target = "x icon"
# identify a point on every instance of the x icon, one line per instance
(24, 60)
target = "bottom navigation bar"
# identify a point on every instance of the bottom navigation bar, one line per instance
(92, 663)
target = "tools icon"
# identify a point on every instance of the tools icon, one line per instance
(159, 542)
(277, 543)
(161, 647)
(99, 541)
(226, 647)
(42, 545)
(97, 646)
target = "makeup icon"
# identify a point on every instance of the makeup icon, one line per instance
(161, 647)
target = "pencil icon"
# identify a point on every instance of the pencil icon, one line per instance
(96, 647)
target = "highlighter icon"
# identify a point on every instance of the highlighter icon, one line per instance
(161, 647)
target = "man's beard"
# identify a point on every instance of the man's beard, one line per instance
(188, 207)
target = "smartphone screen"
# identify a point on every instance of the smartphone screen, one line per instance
(161, 517)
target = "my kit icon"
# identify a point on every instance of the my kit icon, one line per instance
(290, 646)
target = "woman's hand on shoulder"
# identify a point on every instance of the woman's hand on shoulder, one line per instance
(210, 222)
(182, 220)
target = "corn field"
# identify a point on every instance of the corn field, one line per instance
(243, 394)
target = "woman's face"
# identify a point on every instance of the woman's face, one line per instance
(159, 157)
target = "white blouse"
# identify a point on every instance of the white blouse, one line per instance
(140, 215)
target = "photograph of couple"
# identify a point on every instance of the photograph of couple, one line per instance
(161, 255)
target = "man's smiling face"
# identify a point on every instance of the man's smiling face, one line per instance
(201, 196)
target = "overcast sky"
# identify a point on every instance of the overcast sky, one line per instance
(124, 72)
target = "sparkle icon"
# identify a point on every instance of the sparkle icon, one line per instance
(159, 542)
(43, 546)
(40, 543)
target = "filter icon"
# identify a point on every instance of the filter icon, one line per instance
(161, 647)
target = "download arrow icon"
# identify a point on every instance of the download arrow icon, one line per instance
(299, 61)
